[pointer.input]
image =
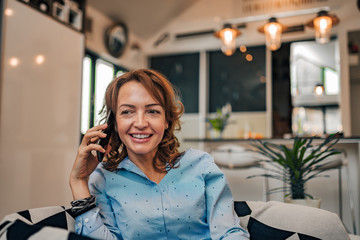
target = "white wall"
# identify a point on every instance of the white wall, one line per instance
(131, 59)
(40, 110)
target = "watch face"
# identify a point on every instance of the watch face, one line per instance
(116, 39)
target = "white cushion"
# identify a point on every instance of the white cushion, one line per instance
(270, 218)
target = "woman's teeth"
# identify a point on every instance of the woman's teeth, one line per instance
(140, 135)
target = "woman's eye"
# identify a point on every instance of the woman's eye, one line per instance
(125, 112)
(153, 111)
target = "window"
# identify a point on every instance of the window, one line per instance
(97, 74)
(238, 79)
(104, 73)
(85, 95)
(331, 81)
(182, 70)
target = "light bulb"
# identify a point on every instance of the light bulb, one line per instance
(228, 46)
(228, 36)
(322, 27)
(14, 62)
(8, 12)
(319, 90)
(272, 32)
(39, 59)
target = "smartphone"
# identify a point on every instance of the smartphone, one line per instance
(105, 141)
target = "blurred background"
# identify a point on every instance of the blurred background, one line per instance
(284, 74)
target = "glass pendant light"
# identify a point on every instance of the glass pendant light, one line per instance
(272, 31)
(322, 25)
(319, 89)
(227, 36)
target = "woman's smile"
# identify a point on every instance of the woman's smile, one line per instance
(140, 137)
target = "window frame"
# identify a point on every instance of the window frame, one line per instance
(93, 59)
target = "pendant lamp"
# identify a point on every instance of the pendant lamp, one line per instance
(322, 25)
(227, 36)
(272, 31)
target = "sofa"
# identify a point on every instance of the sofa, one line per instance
(264, 220)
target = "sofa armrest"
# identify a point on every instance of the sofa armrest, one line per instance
(40, 224)
(55, 216)
(278, 220)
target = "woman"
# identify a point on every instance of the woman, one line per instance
(146, 188)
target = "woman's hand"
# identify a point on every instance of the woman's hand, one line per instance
(86, 162)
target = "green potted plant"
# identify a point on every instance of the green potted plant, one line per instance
(219, 121)
(295, 165)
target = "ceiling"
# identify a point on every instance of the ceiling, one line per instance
(143, 17)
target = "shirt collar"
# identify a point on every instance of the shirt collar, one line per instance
(128, 165)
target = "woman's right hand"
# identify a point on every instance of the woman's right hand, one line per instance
(86, 162)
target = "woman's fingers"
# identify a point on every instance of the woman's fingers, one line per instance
(85, 161)
(85, 151)
(98, 127)
(93, 134)
(95, 147)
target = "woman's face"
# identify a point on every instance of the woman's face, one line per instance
(140, 120)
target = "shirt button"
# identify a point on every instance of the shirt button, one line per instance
(79, 224)
(86, 220)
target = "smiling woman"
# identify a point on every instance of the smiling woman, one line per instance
(144, 180)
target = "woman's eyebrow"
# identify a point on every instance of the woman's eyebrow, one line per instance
(133, 106)
(152, 105)
(126, 105)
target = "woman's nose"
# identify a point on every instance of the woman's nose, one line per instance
(140, 121)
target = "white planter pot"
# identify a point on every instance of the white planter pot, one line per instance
(215, 134)
(307, 202)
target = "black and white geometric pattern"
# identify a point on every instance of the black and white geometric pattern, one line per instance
(264, 221)
(39, 224)
(281, 221)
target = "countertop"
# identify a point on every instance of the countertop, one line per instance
(286, 140)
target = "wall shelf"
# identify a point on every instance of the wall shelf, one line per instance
(68, 12)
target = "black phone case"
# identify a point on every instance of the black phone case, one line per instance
(105, 141)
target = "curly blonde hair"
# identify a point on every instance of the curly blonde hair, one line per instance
(161, 90)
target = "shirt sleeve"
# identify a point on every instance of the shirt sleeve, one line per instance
(221, 216)
(99, 222)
